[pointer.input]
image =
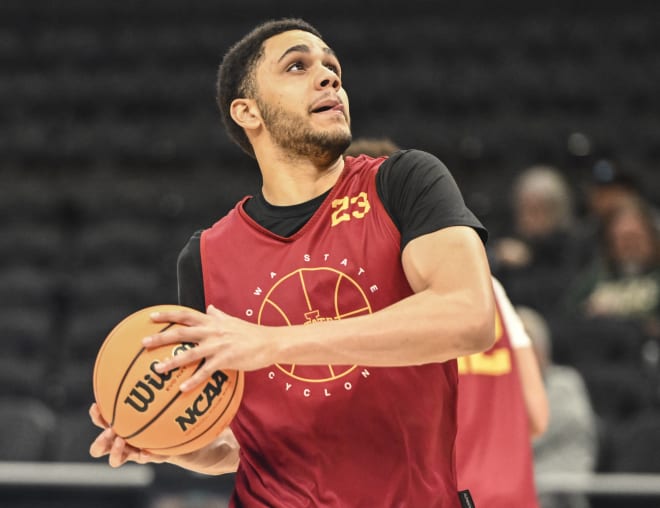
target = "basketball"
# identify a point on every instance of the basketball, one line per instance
(145, 407)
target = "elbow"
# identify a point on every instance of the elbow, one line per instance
(480, 330)
(484, 337)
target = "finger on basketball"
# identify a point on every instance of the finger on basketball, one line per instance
(179, 360)
(118, 452)
(102, 444)
(95, 415)
(183, 317)
(171, 336)
(145, 457)
(197, 378)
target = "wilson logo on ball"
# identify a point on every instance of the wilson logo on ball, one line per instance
(143, 394)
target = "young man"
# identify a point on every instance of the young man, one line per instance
(344, 290)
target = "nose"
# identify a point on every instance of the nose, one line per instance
(326, 78)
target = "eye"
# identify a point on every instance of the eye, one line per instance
(296, 66)
(334, 68)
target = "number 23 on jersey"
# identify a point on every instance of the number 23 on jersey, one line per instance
(347, 208)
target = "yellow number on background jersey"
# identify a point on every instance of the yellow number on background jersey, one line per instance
(494, 362)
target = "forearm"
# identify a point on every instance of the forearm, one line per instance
(450, 314)
(529, 371)
(536, 400)
(220, 457)
(424, 328)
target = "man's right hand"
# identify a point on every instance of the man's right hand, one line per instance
(118, 450)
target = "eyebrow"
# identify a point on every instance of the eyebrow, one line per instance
(303, 48)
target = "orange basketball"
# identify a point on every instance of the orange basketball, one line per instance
(147, 408)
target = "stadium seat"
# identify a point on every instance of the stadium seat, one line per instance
(28, 427)
(637, 444)
(618, 392)
(27, 344)
(74, 434)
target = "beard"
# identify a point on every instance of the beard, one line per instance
(292, 132)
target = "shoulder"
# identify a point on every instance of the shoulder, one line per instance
(414, 156)
(189, 256)
(191, 248)
(404, 163)
(411, 171)
(415, 172)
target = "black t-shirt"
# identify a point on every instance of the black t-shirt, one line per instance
(417, 190)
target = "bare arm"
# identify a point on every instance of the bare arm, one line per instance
(450, 314)
(446, 317)
(534, 394)
(529, 372)
(219, 457)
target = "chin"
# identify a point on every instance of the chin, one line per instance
(340, 142)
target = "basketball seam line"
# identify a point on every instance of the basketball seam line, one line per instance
(126, 371)
(165, 408)
(227, 406)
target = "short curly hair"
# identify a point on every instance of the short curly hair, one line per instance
(236, 72)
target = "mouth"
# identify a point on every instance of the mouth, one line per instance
(323, 106)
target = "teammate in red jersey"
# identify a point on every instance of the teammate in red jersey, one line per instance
(502, 406)
(345, 289)
(502, 400)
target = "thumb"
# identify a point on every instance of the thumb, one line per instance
(212, 311)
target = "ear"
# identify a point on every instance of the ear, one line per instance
(245, 113)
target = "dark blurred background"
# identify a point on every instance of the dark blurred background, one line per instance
(112, 152)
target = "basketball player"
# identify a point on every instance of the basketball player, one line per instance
(345, 290)
(502, 405)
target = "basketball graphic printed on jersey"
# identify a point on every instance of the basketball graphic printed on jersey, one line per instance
(319, 294)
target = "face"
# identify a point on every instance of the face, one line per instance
(605, 200)
(632, 242)
(535, 216)
(300, 96)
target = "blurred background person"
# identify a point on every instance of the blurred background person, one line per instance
(623, 278)
(373, 147)
(537, 259)
(608, 188)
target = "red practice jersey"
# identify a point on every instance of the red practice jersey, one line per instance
(331, 435)
(493, 448)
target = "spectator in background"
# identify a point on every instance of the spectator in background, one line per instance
(623, 279)
(608, 189)
(537, 261)
(570, 442)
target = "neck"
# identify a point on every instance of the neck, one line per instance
(291, 180)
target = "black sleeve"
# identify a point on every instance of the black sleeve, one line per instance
(189, 275)
(421, 196)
